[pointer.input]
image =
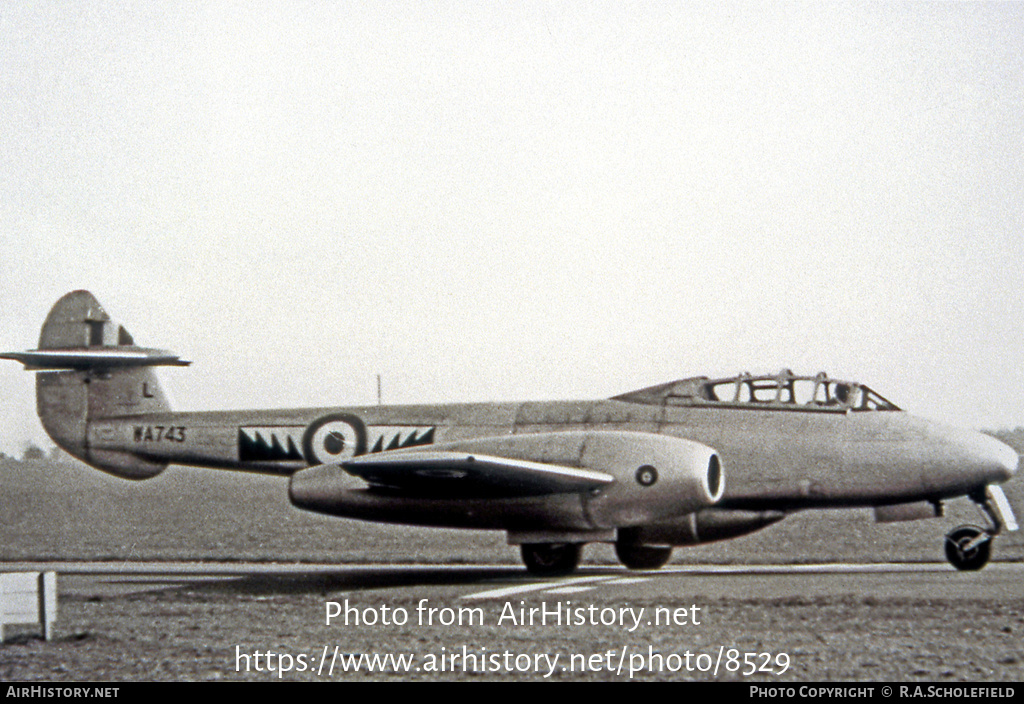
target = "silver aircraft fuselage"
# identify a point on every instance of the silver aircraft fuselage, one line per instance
(774, 458)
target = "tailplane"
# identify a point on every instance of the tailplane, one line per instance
(90, 368)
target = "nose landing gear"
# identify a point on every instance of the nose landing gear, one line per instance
(969, 547)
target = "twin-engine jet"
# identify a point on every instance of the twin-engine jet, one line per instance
(682, 463)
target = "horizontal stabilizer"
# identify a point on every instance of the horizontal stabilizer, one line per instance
(79, 335)
(439, 473)
(82, 358)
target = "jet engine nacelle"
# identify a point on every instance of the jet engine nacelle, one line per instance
(649, 478)
(657, 477)
(702, 526)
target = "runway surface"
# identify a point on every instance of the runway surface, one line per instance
(482, 582)
(810, 622)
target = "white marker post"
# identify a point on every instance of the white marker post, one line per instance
(28, 598)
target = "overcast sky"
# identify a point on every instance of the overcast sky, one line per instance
(514, 201)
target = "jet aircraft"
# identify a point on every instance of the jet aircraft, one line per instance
(682, 463)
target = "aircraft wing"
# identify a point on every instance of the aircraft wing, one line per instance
(450, 473)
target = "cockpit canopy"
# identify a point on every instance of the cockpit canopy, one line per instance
(784, 390)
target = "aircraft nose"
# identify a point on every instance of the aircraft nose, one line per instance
(962, 461)
(998, 460)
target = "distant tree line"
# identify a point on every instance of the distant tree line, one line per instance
(1014, 438)
(34, 453)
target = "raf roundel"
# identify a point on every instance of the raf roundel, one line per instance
(333, 439)
(646, 475)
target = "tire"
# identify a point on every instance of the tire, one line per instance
(551, 559)
(642, 557)
(972, 559)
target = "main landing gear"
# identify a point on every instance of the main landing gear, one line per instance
(642, 557)
(560, 559)
(969, 547)
(551, 559)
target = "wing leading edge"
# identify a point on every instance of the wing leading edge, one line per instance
(450, 473)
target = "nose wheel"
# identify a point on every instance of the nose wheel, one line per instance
(968, 547)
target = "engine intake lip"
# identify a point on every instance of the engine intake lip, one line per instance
(714, 478)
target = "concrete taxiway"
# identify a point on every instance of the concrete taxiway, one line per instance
(1000, 580)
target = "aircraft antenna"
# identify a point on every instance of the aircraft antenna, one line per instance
(379, 403)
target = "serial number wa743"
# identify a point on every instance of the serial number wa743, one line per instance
(159, 433)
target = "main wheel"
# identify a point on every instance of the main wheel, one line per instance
(965, 551)
(642, 557)
(551, 559)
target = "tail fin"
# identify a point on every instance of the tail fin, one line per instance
(90, 368)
